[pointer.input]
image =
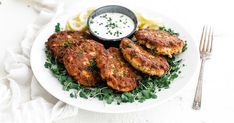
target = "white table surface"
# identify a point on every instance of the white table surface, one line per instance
(218, 87)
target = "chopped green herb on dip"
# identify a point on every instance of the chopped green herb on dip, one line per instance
(112, 25)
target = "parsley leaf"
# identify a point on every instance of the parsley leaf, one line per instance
(67, 44)
(57, 27)
(185, 46)
(169, 30)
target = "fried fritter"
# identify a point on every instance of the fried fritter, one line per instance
(118, 74)
(142, 60)
(58, 42)
(161, 41)
(80, 62)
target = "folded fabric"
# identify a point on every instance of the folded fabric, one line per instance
(23, 100)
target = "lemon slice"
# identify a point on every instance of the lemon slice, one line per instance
(74, 25)
(77, 18)
(79, 23)
(83, 17)
(147, 23)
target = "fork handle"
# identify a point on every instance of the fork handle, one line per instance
(198, 93)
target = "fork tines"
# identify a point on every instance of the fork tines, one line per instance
(206, 40)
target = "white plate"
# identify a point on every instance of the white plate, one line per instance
(53, 86)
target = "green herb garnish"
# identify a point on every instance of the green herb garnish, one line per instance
(185, 46)
(129, 46)
(57, 27)
(67, 44)
(147, 89)
(169, 30)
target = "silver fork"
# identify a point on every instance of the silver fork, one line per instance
(205, 49)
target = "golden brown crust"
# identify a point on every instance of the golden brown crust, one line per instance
(118, 74)
(142, 60)
(79, 60)
(161, 41)
(58, 41)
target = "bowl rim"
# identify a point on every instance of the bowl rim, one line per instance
(135, 21)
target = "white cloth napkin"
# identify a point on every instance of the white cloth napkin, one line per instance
(22, 99)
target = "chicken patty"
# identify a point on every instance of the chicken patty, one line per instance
(80, 62)
(161, 41)
(142, 60)
(58, 42)
(118, 74)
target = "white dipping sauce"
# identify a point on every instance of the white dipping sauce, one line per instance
(112, 25)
